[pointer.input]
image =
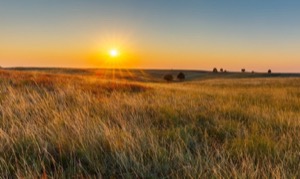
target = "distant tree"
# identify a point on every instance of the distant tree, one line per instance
(243, 70)
(253, 72)
(168, 77)
(225, 71)
(269, 71)
(221, 70)
(181, 76)
(215, 70)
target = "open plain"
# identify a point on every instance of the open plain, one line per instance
(66, 123)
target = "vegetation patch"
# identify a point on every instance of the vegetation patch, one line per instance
(108, 88)
(61, 126)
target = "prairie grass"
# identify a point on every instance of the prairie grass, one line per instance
(64, 126)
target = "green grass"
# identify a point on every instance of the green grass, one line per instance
(74, 125)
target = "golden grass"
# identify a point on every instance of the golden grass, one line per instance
(82, 126)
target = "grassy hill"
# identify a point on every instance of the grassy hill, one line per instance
(131, 124)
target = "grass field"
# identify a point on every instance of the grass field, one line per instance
(131, 124)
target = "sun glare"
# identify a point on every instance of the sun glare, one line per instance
(113, 52)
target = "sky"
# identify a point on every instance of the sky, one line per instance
(164, 34)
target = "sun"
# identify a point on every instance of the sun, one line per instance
(113, 52)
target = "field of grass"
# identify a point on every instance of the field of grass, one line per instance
(65, 125)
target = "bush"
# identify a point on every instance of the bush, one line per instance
(181, 76)
(269, 71)
(168, 77)
(243, 70)
(215, 70)
(221, 70)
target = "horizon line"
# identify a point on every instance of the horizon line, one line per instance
(131, 68)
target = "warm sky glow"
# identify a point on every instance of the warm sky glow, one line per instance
(114, 53)
(256, 35)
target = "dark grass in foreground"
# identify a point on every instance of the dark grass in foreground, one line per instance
(74, 125)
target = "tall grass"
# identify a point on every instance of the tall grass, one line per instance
(64, 126)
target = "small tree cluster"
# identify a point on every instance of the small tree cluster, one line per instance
(181, 76)
(222, 70)
(169, 77)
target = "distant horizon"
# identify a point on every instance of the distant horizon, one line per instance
(158, 69)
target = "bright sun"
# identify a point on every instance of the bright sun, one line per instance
(113, 52)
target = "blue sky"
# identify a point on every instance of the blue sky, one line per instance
(161, 33)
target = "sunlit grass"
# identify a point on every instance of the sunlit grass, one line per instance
(80, 126)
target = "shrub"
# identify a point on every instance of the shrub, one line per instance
(215, 70)
(181, 76)
(221, 70)
(243, 70)
(269, 71)
(168, 77)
